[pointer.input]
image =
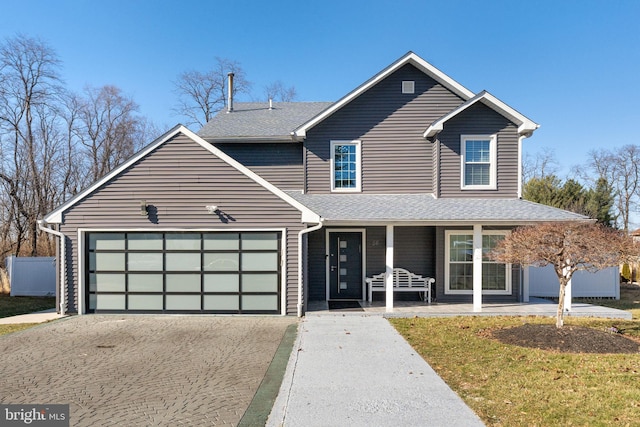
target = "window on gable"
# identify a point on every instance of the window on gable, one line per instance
(345, 166)
(496, 277)
(478, 161)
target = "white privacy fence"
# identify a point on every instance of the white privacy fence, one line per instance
(543, 282)
(32, 276)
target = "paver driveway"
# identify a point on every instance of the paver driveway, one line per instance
(142, 370)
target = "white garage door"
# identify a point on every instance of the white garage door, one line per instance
(184, 272)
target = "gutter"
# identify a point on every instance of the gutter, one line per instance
(63, 264)
(300, 284)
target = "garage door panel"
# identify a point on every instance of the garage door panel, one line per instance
(145, 302)
(260, 282)
(259, 302)
(225, 272)
(107, 282)
(110, 302)
(183, 261)
(183, 282)
(103, 241)
(221, 261)
(267, 261)
(107, 261)
(222, 302)
(181, 241)
(142, 241)
(183, 302)
(144, 261)
(140, 282)
(221, 283)
(221, 241)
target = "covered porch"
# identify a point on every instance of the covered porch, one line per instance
(362, 236)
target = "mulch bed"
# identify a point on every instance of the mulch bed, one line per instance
(569, 339)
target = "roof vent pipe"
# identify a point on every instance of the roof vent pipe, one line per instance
(230, 88)
(270, 104)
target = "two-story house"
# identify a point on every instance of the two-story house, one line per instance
(271, 206)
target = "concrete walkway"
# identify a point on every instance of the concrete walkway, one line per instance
(357, 370)
(37, 317)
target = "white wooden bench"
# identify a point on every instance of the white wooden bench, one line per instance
(403, 281)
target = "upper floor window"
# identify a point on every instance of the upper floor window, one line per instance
(345, 166)
(478, 162)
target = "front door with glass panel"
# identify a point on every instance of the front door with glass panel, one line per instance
(345, 265)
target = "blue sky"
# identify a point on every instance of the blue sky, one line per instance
(572, 66)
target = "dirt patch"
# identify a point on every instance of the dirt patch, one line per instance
(569, 339)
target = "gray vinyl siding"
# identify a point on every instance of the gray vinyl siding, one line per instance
(178, 180)
(278, 163)
(317, 279)
(376, 250)
(414, 249)
(478, 120)
(396, 158)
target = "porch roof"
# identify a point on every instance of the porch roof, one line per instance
(426, 208)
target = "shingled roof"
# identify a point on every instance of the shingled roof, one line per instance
(426, 208)
(253, 121)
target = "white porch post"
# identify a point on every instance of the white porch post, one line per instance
(477, 268)
(388, 277)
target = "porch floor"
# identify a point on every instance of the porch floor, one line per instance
(535, 307)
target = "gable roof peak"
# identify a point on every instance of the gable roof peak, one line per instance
(408, 58)
(526, 126)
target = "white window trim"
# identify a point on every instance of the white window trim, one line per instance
(493, 159)
(448, 290)
(358, 186)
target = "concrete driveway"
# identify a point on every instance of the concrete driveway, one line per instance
(142, 370)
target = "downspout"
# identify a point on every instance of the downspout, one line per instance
(63, 264)
(520, 138)
(300, 234)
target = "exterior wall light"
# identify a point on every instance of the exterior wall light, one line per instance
(143, 208)
(212, 209)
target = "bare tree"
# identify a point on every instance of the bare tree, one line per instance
(569, 247)
(45, 136)
(29, 90)
(277, 91)
(543, 164)
(621, 169)
(108, 129)
(202, 94)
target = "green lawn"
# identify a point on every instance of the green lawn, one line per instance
(12, 306)
(508, 385)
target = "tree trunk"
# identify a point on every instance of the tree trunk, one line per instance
(560, 314)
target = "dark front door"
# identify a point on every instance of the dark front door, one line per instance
(345, 265)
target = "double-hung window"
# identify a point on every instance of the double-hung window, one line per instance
(496, 277)
(345, 166)
(478, 162)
